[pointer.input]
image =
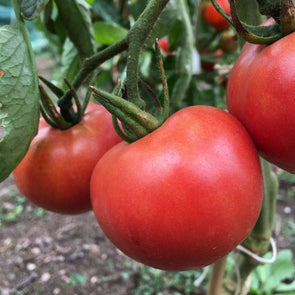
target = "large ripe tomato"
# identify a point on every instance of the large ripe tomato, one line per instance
(184, 195)
(55, 173)
(260, 94)
(214, 18)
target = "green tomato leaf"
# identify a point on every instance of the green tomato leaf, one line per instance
(19, 98)
(76, 18)
(106, 33)
(31, 9)
(106, 10)
(271, 276)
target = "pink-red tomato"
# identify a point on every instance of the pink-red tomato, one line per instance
(214, 18)
(164, 44)
(55, 173)
(183, 196)
(260, 94)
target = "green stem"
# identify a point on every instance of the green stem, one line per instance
(136, 39)
(250, 33)
(165, 103)
(216, 277)
(88, 66)
(23, 29)
(258, 241)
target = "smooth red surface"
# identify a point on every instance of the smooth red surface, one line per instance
(164, 44)
(183, 196)
(55, 173)
(260, 94)
(215, 19)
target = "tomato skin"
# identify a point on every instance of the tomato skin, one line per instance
(183, 196)
(260, 94)
(164, 44)
(215, 19)
(55, 173)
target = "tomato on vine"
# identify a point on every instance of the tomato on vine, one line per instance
(55, 173)
(182, 196)
(260, 95)
(214, 18)
(165, 45)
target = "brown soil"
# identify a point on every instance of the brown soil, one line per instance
(46, 253)
(49, 254)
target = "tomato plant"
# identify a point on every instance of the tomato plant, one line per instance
(55, 173)
(184, 195)
(189, 188)
(215, 19)
(260, 95)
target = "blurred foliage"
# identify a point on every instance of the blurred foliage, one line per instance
(275, 278)
(5, 2)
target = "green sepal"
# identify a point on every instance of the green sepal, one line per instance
(138, 121)
(56, 90)
(250, 33)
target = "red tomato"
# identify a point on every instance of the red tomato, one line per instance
(165, 46)
(215, 19)
(183, 196)
(260, 94)
(55, 173)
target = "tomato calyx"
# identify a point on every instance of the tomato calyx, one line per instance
(265, 34)
(138, 121)
(50, 112)
(135, 123)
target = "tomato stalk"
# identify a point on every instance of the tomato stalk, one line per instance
(88, 66)
(287, 17)
(136, 39)
(216, 278)
(166, 101)
(138, 121)
(258, 241)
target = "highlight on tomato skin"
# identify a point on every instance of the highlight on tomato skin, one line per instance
(185, 195)
(55, 173)
(214, 18)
